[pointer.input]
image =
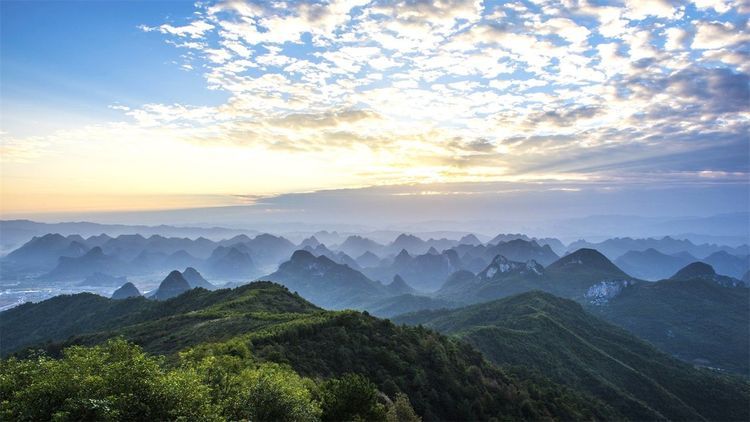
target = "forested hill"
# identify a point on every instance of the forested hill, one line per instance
(555, 336)
(444, 378)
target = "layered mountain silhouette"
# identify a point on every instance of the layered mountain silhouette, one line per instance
(99, 279)
(399, 287)
(126, 291)
(93, 261)
(139, 255)
(325, 282)
(43, 252)
(425, 272)
(570, 276)
(651, 264)
(231, 262)
(616, 247)
(195, 279)
(727, 264)
(172, 286)
(703, 271)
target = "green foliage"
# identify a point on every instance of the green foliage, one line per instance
(401, 410)
(696, 320)
(194, 317)
(114, 381)
(271, 393)
(260, 352)
(351, 398)
(555, 337)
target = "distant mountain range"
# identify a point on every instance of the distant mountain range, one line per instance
(17, 232)
(616, 247)
(570, 276)
(59, 257)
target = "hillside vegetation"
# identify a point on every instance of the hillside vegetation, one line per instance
(558, 338)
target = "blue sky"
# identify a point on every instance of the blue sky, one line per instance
(177, 104)
(77, 58)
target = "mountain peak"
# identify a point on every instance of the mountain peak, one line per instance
(469, 239)
(587, 258)
(502, 265)
(125, 291)
(173, 285)
(399, 286)
(311, 241)
(433, 251)
(302, 255)
(195, 279)
(694, 270)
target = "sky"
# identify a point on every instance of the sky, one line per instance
(635, 107)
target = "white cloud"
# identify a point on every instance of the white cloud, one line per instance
(408, 87)
(715, 35)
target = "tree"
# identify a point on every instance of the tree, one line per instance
(401, 411)
(351, 398)
(114, 381)
(274, 393)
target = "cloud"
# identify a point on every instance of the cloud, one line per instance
(414, 91)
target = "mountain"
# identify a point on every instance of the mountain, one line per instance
(409, 243)
(230, 262)
(694, 270)
(584, 273)
(557, 337)
(571, 276)
(103, 280)
(311, 241)
(469, 239)
(615, 247)
(126, 291)
(181, 259)
(18, 232)
(325, 282)
(148, 261)
(399, 287)
(357, 245)
(172, 286)
(368, 259)
(507, 237)
(43, 252)
(269, 251)
(195, 279)
(91, 262)
(651, 264)
(522, 250)
(703, 271)
(727, 264)
(425, 272)
(690, 316)
(476, 258)
(445, 379)
(502, 277)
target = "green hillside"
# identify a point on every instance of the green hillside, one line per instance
(443, 378)
(558, 338)
(696, 320)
